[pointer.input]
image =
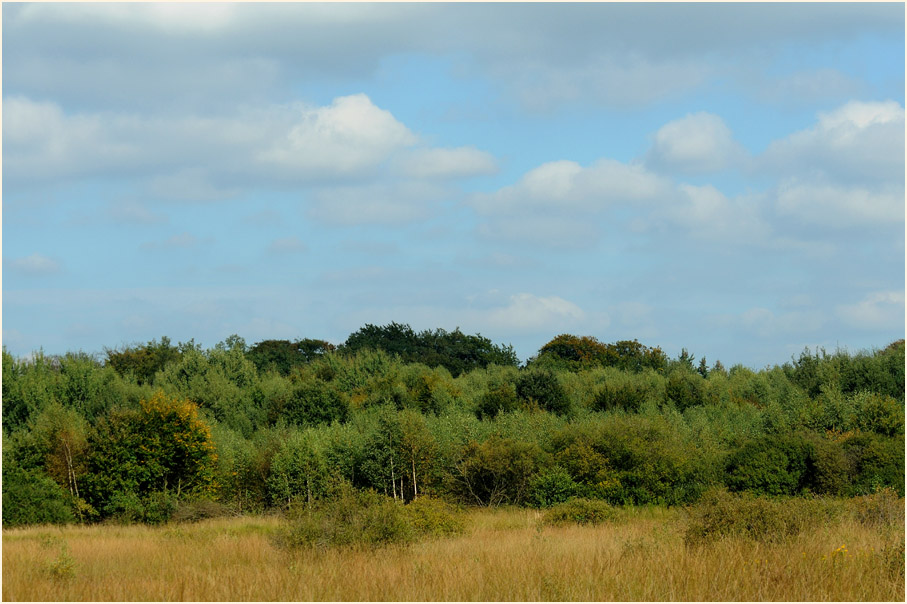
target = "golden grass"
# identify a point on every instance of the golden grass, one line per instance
(505, 555)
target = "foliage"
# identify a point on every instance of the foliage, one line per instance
(283, 356)
(770, 466)
(576, 353)
(579, 511)
(551, 487)
(722, 514)
(494, 472)
(350, 518)
(142, 362)
(164, 446)
(32, 497)
(542, 388)
(455, 351)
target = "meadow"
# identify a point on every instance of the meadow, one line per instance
(504, 553)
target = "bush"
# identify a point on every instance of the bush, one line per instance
(685, 389)
(349, 518)
(365, 519)
(720, 514)
(579, 511)
(202, 509)
(501, 399)
(881, 509)
(628, 396)
(32, 497)
(495, 472)
(540, 387)
(432, 517)
(769, 465)
(551, 487)
(315, 402)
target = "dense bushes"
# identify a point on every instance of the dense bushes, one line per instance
(356, 518)
(273, 425)
(722, 514)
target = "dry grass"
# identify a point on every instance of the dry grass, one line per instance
(505, 555)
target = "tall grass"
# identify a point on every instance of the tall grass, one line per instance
(504, 554)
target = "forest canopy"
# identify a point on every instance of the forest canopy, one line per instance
(155, 431)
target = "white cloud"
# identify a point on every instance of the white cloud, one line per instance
(552, 230)
(765, 323)
(567, 185)
(528, 312)
(839, 206)
(698, 143)
(190, 184)
(34, 265)
(441, 163)
(860, 142)
(348, 137)
(613, 78)
(877, 310)
(708, 214)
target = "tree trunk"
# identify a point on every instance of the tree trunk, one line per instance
(415, 490)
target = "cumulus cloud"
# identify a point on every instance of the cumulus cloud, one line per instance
(857, 143)
(877, 310)
(839, 206)
(567, 185)
(529, 312)
(708, 214)
(348, 137)
(697, 143)
(34, 265)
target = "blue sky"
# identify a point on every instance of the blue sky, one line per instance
(728, 178)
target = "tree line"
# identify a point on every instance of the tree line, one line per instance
(148, 432)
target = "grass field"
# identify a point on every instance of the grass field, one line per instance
(505, 554)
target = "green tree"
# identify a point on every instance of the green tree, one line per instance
(542, 388)
(162, 447)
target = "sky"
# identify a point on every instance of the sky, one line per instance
(725, 178)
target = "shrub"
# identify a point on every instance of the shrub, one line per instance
(432, 517)
(495, 472)
(685, 389)
(881, 509)
(32, 497)
(536, 386)
(879, 413)
(579, 511)
(349, 518)
(769, 465)
(202, 509)
(365, 519)
(628, 396)
(501, 399)
(722, 514)
(551, 487)
(315, 402)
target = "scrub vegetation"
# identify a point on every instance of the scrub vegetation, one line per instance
(430, 465)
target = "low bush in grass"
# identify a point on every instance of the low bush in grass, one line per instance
(721, 514)
(202, 509)
(579, 511)
(881, 509)
(366, 519)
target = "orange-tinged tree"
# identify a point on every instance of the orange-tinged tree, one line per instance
(164, 446)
